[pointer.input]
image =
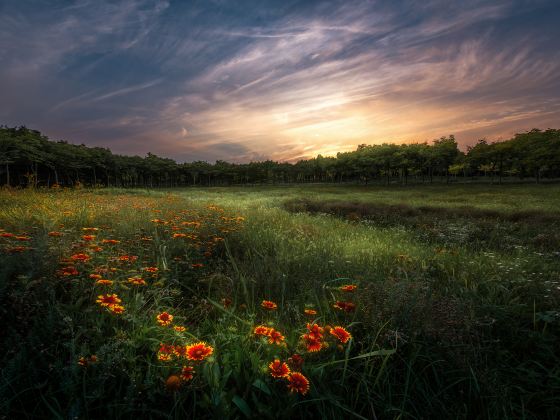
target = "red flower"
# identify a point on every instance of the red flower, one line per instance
(298, 383)
(345, 306)
(278, 369)
(199, 351)
(275, 337)
(348, 287)
(108, 300)
(313, 344)
(164, 319)
(341, 334)
(268, 304)
(261, 330)
(187, 373)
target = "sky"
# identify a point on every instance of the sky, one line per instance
(283, 80)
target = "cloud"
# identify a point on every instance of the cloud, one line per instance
(280, 81)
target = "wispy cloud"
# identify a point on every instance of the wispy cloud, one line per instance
(283, 81)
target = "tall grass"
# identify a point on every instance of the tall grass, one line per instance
(457, 312)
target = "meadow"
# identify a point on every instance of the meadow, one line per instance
(281, 302)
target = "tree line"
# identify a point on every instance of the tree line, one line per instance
(28, 158)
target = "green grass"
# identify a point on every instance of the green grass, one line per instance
(457, 303)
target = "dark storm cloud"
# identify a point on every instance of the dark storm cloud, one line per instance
(247, 80)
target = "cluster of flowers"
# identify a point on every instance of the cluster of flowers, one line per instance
(13, 237)
(343, 305)
(313, 340)
(196, 352)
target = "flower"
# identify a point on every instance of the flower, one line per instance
(313, 344)
(298, 383)
(90, 229)
(278, 369)
(95, 276)
(108, 300)
(88, 237)
(310, 312)
(116, 309)
(22, 238)
(275, 337)
(348, 287)
(261, 330)
(110, 241)
(296, 362)
(151, 269)
(68, 271)
(315, 331)
(173, 383)
(341, 334)
(137, 281)
(180, 351)
(199, 351)
(129, 258)
(80, 257)
(179, 328)
(55, 233)
(104, 282)
(164, 319)
(344, 306)
(179, 235)
(165, 352)
(187, 373)
(268, 304)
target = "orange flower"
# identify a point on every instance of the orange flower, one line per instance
(296, 362)
(110, 241)
(137, 281)
(348, 287)
(341, 333)
(90, 229)
(197, 265)
(88, 237)
(104, 282)
(199, 351)
(80, 257)
(298, 383)
(180, 351)
(6, 235)
(173, 383)
(95, 276)
(55, 234)
(262, 330)
(187, 373)
(278, 369)
(116, 309)
(313, 344)
(179, 235)
(275, 337)
(165, 352)
(344, 306)
(164, 319)
(310, 312)
(22, 238)
(128, 258)
(151, 269)
(315, 331)
(68, 271)
(108, 300)
(179, 328)
(268, 304)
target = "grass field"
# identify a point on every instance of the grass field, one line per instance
(455, 313)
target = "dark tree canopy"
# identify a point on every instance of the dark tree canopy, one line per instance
(28, 158)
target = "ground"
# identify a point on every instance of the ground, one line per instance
(454, 313)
